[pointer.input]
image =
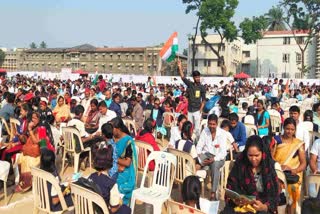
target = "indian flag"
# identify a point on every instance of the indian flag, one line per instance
(170, 48)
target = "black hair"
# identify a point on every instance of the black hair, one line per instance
(79, 109)
(47, 160)
(288, 121)
(213, 117)
(294, 108)
(117, 123)
(191, 189)
(233, 117)
(186, 131)
(148, 126)
(225, 123)
(107, 130)
(308, 114)
(244, 105)
(102, 104)
(11, 98)
(195, 73)
(181, 117)
(94, 102)
(103, 159)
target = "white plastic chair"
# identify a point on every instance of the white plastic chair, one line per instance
(224, 174)
(130, 124)
(4, 172)
(203, 124)
(282, 178)
(249, 119)
(163, 175)
(84, 199)
(314, 180)
(186, 166)
(69, 134)
(143, 149)
(275, 119)
(41, 194)
(251, 130)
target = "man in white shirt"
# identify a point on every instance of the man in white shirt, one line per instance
(275, 91)
(105, 115)
(301, 132)
(212, 150)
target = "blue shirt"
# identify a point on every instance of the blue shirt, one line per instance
(114, 170)
(108, 102)
(264, 131)
(239, 134)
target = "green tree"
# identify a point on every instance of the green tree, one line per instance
(43, 45)
(193, 5)
(33, 45)
(252, 29)
(2, 56)
(276, 20)
(302, 16)
(216, 16)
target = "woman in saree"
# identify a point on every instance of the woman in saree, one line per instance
(30, 156)
(62, 111)
(16, 144)
(127, 159)
(289, 152)
(92, 121)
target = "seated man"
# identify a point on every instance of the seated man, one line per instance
(212, 150)
(238, 131)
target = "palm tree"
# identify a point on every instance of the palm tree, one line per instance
(275, 19)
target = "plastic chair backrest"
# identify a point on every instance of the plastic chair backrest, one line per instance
(224, 174)
(143, 149)
(312, 179)
(308, 125)
(249, 119)
(146, 113)
(183, 159)
(69, 135)
(179, 208)
(130, 124)
(164, 172)
(5, 124)
(251, 130)
(282, 177)
(84, 199)
(40, 179)
(14, 123)
(203, 124)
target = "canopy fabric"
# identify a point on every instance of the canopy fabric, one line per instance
(242, 75)
(2, 70)
(81, 72)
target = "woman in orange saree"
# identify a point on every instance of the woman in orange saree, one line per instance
(289, 152)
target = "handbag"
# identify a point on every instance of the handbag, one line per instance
(291, 178)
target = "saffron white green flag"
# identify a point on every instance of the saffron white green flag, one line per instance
(170, 48)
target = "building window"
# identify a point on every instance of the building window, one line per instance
(196, 62)
(205, 63)
(110, 56)
(246, 53)
(300, 40)
(286, 58)
(119, 56)
(209, 63)
(298, 57)
(286, 40)
(132, 57)
(140, 57)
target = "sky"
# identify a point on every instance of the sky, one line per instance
(112, 23)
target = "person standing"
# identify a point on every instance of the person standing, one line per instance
(196, 98)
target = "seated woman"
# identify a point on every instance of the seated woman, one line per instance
(47, 163)
(308, 116)
(175, 132)
(62, 111)
(186, 144)
(127, 159)
(19, 138)
(253, 174)
(146, 136)
(109, 188)
(290, 153)
(30, 156)
(156, 114)
(92, 121)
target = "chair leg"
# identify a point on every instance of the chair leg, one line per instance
(157, 208)
(35, 210)
(76, 162)
(132, 203)
(5, 192)
(202, 188)
(90, 159)
(63, 162)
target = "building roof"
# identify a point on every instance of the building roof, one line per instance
(120, 49)
(285, 32)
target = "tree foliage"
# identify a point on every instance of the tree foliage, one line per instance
(252, 29)
(2, 56)
(43, 45)
(33, 45)
(276, 19)
(303, 16)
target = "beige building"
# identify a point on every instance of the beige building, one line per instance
(206, 62)
(121, 60)
(12, 59)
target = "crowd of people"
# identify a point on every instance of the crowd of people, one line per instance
(98, 109)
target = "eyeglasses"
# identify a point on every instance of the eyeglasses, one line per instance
(157, 103)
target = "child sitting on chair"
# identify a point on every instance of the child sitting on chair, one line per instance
(110, 192)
